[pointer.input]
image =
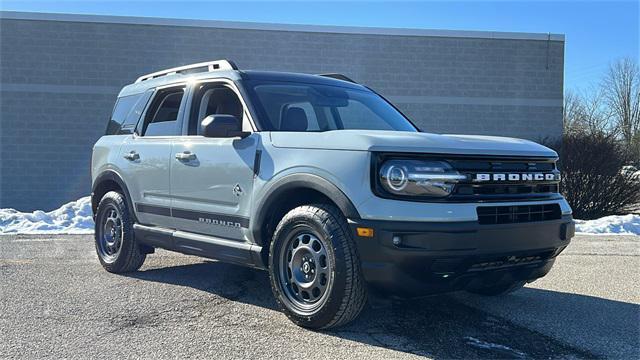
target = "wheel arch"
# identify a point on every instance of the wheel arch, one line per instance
(289, 192)
(109, 180)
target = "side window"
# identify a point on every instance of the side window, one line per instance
(126, 113)
(213, 99)
(162, 117)
(120, 112)
(130, 122)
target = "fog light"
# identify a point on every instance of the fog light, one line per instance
(397, 240)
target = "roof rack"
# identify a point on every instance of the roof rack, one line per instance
(205, 66)
(338, 76)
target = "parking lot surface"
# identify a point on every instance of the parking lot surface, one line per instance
(56, 301)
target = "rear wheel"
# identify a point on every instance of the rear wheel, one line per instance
(497, 290)
(116, 245)
(315, 269)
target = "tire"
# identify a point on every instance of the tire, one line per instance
(498, 290)
(115, 242)
(319, 236)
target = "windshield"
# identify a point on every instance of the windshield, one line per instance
(292, 106)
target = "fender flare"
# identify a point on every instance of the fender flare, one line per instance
(111, 175)
(298, 181)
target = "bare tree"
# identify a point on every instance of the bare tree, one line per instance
(621, 88)
(591, 178)
(587, 112)
(571, 112)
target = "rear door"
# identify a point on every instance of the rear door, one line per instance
(212, 178)
(147, 156)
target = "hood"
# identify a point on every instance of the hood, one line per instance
(401, 141)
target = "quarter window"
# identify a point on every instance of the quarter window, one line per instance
(126, 113)
(129, 124)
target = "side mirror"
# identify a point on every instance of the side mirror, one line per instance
(222, 126)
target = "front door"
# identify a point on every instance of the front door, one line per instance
(212, 178)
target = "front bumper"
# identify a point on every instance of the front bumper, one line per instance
(440, 257)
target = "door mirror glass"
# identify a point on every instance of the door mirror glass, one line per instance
(222, 126)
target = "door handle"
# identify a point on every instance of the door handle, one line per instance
(132, 156)
(186, 156)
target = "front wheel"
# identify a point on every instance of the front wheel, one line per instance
(315, 269)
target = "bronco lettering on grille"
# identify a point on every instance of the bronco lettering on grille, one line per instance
(517, 177)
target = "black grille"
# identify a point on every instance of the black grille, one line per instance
(504, 190)
(490, 215)
(512, 260)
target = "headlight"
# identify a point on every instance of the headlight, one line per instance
(418, 178)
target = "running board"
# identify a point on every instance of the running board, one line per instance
(212, 247)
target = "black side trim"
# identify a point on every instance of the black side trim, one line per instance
(208, 217)
(154, 236)
(226, 250)
(213, 247)
(153, 209)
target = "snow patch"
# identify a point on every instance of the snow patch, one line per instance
(72, 218)
(616, 224)
(76, 218)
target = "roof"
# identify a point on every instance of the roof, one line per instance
(234, 75)
(278, 27)
(295, 77)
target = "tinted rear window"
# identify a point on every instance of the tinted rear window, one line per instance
(126, 113)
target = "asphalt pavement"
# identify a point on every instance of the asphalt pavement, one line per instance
(56, 301)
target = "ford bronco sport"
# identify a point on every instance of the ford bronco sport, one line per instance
(323, 183)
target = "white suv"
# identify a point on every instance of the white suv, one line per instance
(323, 183)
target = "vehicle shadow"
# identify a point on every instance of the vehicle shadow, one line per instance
(446, 326)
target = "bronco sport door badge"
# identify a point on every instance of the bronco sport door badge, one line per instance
(237, 190)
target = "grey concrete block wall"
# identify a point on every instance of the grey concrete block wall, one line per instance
(59, 76)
